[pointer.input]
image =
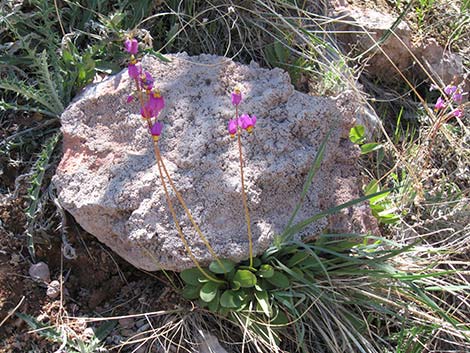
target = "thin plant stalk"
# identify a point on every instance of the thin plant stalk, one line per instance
(180, 199)
(175, 219)
(183, 204)
(244, 198)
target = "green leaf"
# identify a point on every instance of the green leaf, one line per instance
(372, 187)
(103, 331)
(191, 276)
(301, 225)
(297, 258)
(357, 134)
(191, 292)
(370, 147)
(279, 280)
(263, 301)
(209, 291)
(230, 299)
(245, 278)
(266, 271)
(214, 304)
(308, 182)
(280, 318)
(221, 266)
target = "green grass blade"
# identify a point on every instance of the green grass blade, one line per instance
(305, 223)
(308, 182)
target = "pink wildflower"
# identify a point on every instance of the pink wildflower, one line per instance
(130, 98)
(146, 80)
(247, 123)
(449, 90)
(134, 69)
(457, 97)
(146, 112)
(131, 46)
(156, 102)
(236, 96)
(232, 127)
(156, 130)
(439, 104)
(458, 113)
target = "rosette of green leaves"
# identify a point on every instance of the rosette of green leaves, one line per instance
(239, 287)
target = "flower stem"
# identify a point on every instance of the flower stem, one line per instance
(180, 199)
(183, 204)
(245, 204)
(175, 219)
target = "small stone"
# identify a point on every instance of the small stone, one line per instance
(88, 332)
(43, 317)
(143, 328)
(126, 322)
(40, 272)
(53, 289)
(127, 333)
(210, 344)
(141, 323)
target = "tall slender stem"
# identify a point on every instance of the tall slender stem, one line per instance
(180, 199)
(183, 204)
(244, 198)
(178, 227)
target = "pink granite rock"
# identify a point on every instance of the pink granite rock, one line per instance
(108, 178)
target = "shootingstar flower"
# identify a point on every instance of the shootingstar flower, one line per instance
(134, 68)
(146, 81)
(146, 112)
(440, 103)
(449, 90)
(236, 96)
(156, 130)
(131, 46)
(156, 102)
(458, 113)
(232, 127)
(457, 97)
(247, 123)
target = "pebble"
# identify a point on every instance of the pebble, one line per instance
(53, 289)
(143, 328)
(40, 272)
(141, 322)
(127, 333)
(126, 322)
(88, 332)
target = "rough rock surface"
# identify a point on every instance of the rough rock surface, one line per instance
(365, 28)
(361, 30)
(108, 178)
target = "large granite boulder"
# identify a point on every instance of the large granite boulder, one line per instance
(108, 177)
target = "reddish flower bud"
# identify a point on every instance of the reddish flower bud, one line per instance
(236, 96)
(156, 130)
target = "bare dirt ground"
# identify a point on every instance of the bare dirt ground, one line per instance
(96, 283)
